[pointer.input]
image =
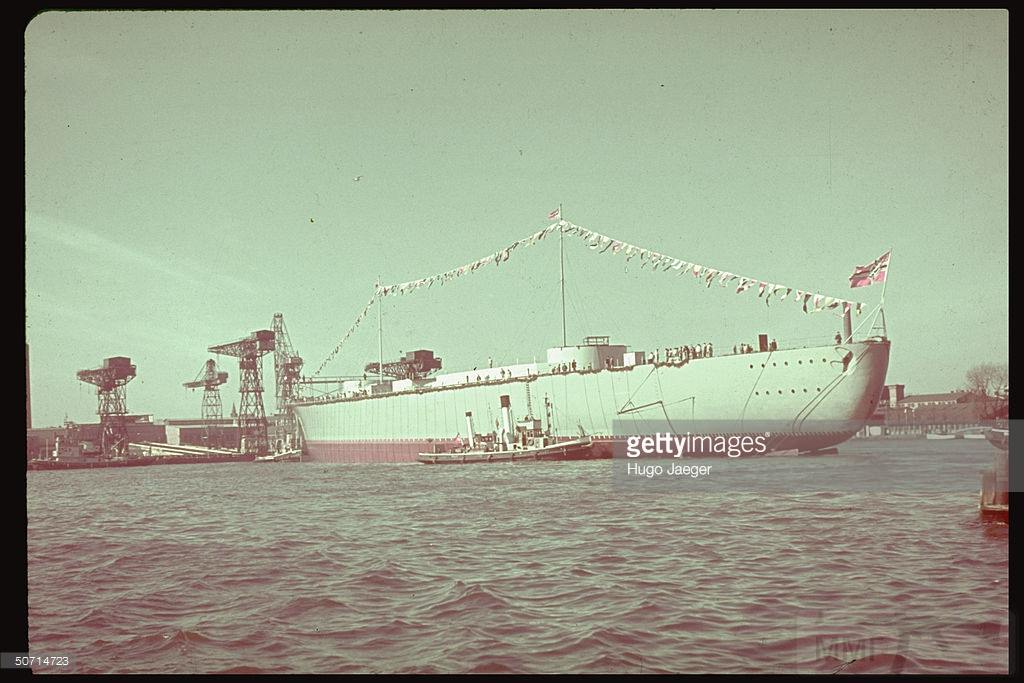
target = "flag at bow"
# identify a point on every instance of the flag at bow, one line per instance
(871, 273)
(555, 215)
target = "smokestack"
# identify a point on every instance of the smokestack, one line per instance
(506, 420)
(469, 426)
(847, 325)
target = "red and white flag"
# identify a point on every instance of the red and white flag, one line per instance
(555, 215)
(871, 273)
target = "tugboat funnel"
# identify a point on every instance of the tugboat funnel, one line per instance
(506, 420)
(469, 428)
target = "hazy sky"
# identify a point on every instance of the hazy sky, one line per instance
(189, 174)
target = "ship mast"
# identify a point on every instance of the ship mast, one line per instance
(561, 266)
(380, 336)
(881, 299)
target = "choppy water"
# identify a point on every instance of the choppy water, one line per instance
(510, 568)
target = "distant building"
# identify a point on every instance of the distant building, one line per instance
(915, 401)
(892, 394)
(206, 433)
(186, 432)
(40, 441)
(914, 414)
(950, 410)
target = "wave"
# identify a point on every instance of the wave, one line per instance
(465, 600)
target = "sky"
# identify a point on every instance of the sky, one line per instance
(189, 174)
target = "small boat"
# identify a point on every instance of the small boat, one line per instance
(1000, 438)
(937, 435)
(284, 456)
(576, 449)
(974, 435)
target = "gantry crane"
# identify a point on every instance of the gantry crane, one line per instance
(110, 381)
(210, 379)
(287, 365)
(287, 371)
(415, 365)
(252, 419)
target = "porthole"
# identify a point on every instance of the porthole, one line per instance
(751, 366)
(775, 365)
(792, 391)
(785, 362)
(805, 391)
(780, 391)
(811, 360)
(762, 365)
(799, 362)
(819, 389)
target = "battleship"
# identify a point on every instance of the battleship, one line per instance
(815, 397)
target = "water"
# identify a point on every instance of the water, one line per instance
(511, 568)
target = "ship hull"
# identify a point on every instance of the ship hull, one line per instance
(814, 398)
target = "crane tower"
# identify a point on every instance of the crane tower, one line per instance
(287, 373)
(252, 418)
(110, 381)
(209, 380)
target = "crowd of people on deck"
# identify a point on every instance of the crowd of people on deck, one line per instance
(673, 355)
(773, 345)
(564, 367)
(683, 354)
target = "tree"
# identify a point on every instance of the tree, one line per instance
(987, 379)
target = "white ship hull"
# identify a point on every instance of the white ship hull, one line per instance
(813, 398)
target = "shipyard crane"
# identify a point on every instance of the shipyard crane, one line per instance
(287, 365)
(252, 419)
(415, 365)
(209, 380)
(287, 373)
(110, 381)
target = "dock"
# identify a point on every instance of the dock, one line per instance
(145, 454)
(135, 462)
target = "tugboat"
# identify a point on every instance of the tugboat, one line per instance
(526, 442)
(283, 452)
